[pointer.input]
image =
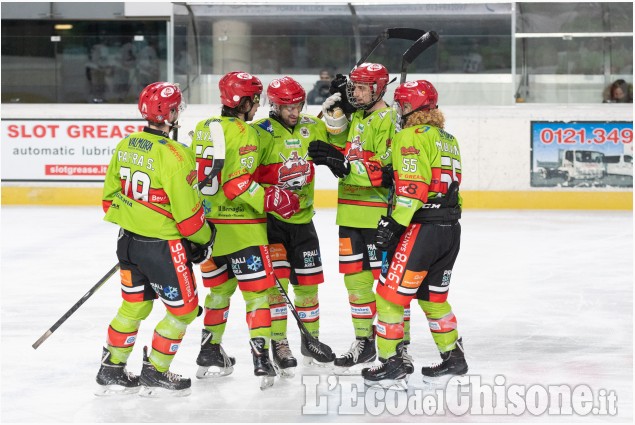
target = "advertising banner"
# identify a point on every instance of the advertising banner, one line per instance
(581, 154)
(77, 150)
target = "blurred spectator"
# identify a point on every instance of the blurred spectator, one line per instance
(619, 92)
(320, 90)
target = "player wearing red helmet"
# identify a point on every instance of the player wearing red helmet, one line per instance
(293, 242)
(237, 204)
(422, 238)
(358, 151)
(150, 191)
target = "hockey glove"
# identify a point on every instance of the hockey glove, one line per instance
(197, 253)
(281, 201)
(326, 154)
(387, 175)
(338, 85)
(336, 121)
(388, 234)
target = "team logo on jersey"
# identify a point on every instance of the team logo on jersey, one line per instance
(355, 151)
(294, 171)
(410, 150)
(306, 120)
(266, 125)
(422, 130)
(304, 132)
(244, 150)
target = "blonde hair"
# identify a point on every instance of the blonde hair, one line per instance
(432, 117)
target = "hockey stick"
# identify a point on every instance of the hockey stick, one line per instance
(74, 308)
(389, 33)
(218, 138)
(313, 345)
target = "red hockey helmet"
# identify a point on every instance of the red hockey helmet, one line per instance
(420, 94)
(285, 91)
(375, 75)
(158, 99)
(236, 85)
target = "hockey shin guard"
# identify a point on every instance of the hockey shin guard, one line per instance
(362, 300)
(278, 307)
(122, 332)
(308, 306)
(442, 324)
(167, 338)
(390, 327)
(217, 308)
(258, 315)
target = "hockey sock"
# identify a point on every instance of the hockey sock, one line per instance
(442, 324)
(122, 332)
(258, 315)
(278, 307)
(362, 300)
(167, 338)
(217, 308)
(308, 306)
(390, 327)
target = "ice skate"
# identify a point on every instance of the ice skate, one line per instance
(407, 361)
(390, 374)
(262, 365)
(212, 360)
(362, 351)
(316, 354)
(114, 378)
(453, 364)
(161, 384)
(283, 360)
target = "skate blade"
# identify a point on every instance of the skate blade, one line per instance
(447, 381)
(158, 392)
(353, 370)
(114, 390)
(388, 384)
(308, 361)
(204, 372)
(287, 373)
(266, 382)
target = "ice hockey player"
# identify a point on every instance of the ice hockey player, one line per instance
(422, 238)
(151, 192)
(237, 205)
(358, 151)
(293, 242)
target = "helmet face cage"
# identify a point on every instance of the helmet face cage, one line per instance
(375, 76)
(158, 100)
(236, 85)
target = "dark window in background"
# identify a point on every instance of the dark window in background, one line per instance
(90, 62)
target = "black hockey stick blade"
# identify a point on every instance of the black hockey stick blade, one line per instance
(74, 308)
(400, 33)
(313, 345)
(423, 43)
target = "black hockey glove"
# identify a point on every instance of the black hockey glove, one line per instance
(338, 85)
(387, 175)
(326, 154)
(197, 253)
(388, 234)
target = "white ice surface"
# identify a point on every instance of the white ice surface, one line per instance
(541, 298)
